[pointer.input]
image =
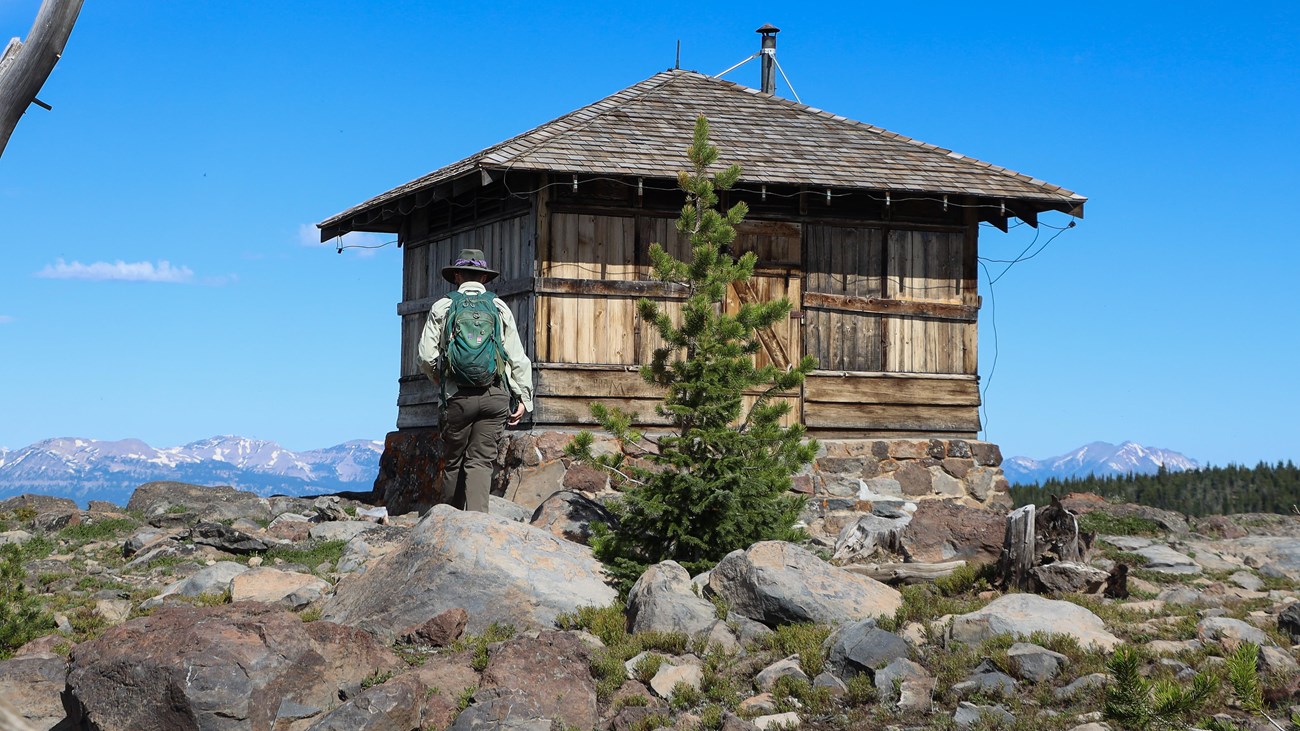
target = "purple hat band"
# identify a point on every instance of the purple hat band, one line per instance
(470, 263)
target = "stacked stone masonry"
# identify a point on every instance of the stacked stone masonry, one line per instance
(847, 475)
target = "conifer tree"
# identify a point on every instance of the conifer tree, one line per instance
(720, 478)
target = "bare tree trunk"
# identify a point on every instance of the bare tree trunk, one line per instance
(1019, 549)
(24, 67)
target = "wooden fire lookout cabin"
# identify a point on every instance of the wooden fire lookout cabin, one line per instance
(873, 236)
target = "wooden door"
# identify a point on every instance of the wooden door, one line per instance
(777, 275)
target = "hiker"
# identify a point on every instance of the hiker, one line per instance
(471, 349)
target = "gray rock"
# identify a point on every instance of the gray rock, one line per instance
(552, 672)
(893, 675)
(1190, 597)
(1035, 664)
(827, 680)
(663, 600)
(500, 709)
(1069, 577)
(141, 540)
(1276, 555)
(747, 629)
(509, 510)
(32, 684)
(224, 667)
(226, 538)
(570, 515)
(1020, 615)
(288, 589)
(1246, 580)
(395, 704)
(916, 695)
(494, 568)
(968, 715)
(767, 677)
(39, 503)
(1277, 662)
(1230, 632)
(1080, 685)
(1126, 543)
(786, 720)
(339, 530)
(213, 579)
(671, 675)
(16, 537)
(1288, 622)
(775, 583)
(861, 647)
(213, 503)
(1166, 560)
(987, 679)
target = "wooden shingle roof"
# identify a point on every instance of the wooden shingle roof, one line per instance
(644, 130)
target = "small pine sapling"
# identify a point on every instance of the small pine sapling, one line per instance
(720, 478)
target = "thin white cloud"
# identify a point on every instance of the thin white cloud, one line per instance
(358, 243)
(143, 271)
(6, 319)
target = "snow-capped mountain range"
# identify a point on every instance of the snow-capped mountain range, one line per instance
(1098, 458)
(89, 469)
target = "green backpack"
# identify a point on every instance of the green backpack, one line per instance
(471, 340)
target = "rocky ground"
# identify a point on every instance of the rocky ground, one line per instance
(209, 608)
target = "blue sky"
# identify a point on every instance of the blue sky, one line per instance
(159, 279)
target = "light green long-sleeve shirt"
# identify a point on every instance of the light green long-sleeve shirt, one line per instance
(519, 370)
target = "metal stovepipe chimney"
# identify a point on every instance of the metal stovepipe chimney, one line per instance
(768, 53)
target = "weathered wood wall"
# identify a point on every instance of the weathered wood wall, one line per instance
(889, 309)
(507, 239)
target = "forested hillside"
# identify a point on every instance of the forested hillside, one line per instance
(1264, 488)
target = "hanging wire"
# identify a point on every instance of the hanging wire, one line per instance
(340, 246)
(993, 320)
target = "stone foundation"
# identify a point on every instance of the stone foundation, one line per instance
(847, 475)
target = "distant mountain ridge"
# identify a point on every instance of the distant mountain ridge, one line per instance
(1098, 458)
(89, 469)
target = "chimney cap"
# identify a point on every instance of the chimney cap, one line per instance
(768, 29)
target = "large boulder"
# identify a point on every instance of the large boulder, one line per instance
(289, 589)
(776, 583)
(231, 666)
(862, 647)
(494, 568)
(38, 503)
(155, 499)
(550, 672)
(32, 684)
(664, 600)
(1288, 622)
(570, 515)
(1020, 615)
(946, 530)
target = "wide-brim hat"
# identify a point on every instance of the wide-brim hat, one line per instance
(469, 261)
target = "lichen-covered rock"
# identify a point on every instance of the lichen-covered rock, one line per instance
(570, 515)
(230, 666)
(289, 589)
(862, 647)
(494, 568)
(32, 685)
(775, 583)
(663, 600)
(1020, 615)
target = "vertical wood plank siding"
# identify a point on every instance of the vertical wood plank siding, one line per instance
(895, 264)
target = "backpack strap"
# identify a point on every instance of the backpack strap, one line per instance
(448, 323)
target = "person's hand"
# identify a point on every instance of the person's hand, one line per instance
(519, 414)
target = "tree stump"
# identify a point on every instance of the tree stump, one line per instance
(1018, 554)
(1036, 538)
